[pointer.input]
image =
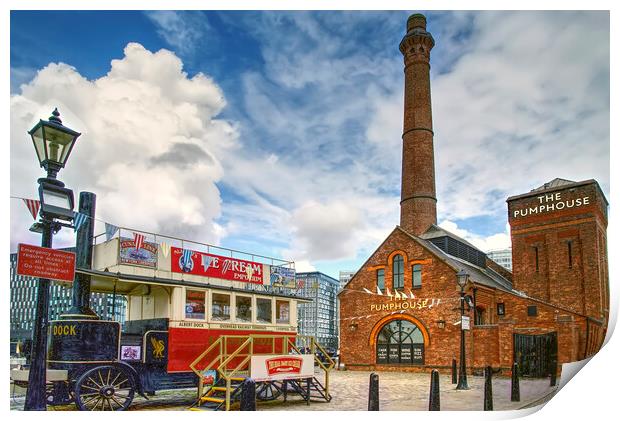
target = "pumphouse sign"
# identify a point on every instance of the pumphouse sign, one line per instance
(549, 203)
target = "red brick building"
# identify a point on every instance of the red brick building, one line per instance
(401, 310)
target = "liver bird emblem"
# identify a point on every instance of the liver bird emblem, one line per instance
(158, 347)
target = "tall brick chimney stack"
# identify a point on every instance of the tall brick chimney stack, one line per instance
(418, 202)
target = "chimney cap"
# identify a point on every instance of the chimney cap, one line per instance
(417, 20)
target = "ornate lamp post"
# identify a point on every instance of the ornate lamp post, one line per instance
(53, 143)
(461, 278)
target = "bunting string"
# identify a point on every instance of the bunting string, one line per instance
(78, 220)
(110, 230)
(33, 206)
(138, 240)
(165, 248)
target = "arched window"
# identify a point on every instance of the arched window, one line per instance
(400, 342)
(398, 272)
(381, 279)
(417, 276)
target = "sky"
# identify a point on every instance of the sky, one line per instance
(279, 133)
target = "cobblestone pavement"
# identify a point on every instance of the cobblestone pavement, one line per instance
(349, 389)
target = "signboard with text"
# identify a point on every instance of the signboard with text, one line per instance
(465, 322)
(283, 277)
(42, 262)
(210, 265)
(279, 367)
(144, 256)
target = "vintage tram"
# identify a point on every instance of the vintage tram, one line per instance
(194, 318)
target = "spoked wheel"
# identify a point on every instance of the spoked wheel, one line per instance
(268, 391)
(105, 388)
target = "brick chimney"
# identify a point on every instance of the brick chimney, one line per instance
(418, 201)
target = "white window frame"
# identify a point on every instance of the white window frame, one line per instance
(230, 301)
(273, 310)
(207, 302)
(252, 308)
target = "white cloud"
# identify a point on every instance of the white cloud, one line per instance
(521, 108)
(181, 30)
(325, 231)
(313, 163)
(150, 148)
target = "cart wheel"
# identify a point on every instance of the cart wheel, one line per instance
(105, 388)
(268, 391)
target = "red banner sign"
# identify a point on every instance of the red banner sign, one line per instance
(281, 365)
(210, 265)
(42, 262)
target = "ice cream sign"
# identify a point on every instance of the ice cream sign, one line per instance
(273, 367)
(210, 265)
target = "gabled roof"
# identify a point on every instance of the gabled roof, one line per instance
(435, 231)
(483, 276)
(556, 182)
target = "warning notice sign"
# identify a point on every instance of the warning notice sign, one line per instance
(42, 262)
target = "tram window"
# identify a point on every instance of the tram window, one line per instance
(263, 310)
(194, 304)
(220, 307)
(243, 308)
(282, 311)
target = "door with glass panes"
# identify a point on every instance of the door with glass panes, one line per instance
(400, 342)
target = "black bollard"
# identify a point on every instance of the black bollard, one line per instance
(515, 393)
(433, 401)
(248, 395)
(373, 393)
(453, 370)
(488, 389)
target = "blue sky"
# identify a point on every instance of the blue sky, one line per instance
(279, 132)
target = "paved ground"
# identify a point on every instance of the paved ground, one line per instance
(397, 392)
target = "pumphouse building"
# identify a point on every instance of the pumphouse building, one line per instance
(401, 309)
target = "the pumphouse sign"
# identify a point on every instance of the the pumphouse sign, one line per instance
(551, 202)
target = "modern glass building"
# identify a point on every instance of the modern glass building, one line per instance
(344, 277)
(502, 257)
(318, 318)
(24, 296)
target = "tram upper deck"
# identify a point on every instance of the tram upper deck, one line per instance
(196, 296)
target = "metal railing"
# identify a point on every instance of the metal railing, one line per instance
(194, 245)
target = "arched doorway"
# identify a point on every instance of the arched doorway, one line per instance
(400, 342)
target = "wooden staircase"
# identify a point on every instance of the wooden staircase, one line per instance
(214, 397)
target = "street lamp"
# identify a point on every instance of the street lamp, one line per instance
(461, 278)
(53, 143)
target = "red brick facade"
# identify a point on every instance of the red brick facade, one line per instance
(559, 287)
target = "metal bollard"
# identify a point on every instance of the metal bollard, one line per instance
(453, 370)
(373, 393)
(515, 393)
(433, 401)
(248, 395)
(488, 389)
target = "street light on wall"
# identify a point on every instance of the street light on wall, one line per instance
(462, 278)
(53, 143)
